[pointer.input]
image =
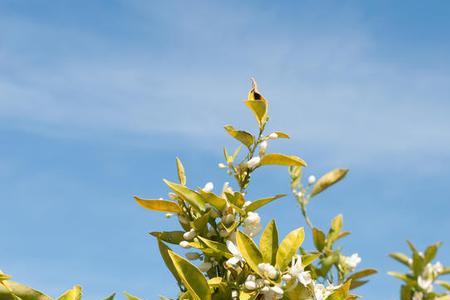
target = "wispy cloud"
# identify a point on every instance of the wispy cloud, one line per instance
(189, 78)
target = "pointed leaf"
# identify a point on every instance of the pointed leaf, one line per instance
(158, 205)
(130, 297)
(362, 273)
(242, 136)
(164, 250)
(281, 160)
(188, 195)
(430, 252)
(214, 200)
(72, 294)
(289, 247)
(192, 277)
(318, 239)
(22, 291)
(261, 202)
(181, 172)
(172, 237)
(111, 297)
(269, 243)
(400, 257)
(249, 250)
(328, 180)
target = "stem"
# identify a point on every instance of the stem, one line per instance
(305, 215)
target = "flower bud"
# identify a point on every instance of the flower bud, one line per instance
(250, 285)
(228, 219)
(252, 163)
(185, 244)
(222, 166)
(189, 235)
(273, 136)
(209, 186)
(263, 148)
(311, 179)
(169, 215)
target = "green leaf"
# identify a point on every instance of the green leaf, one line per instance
(22, 291)
(282, 135)
(219, 249)
(249, 251)
(400, 257)
(357, 283)
(401, 276)
(242, 136)
(430, 252)
(158, 205)
(188, 195)
(192, 277)
(261, 202)
(318, 239)
(200, 223)
(289, 247)
(164, 250)
(111, 297)
(269, 243)
(181, 172)
(308, 259)
(172, 237)
(72, 294)
(281, 160)
(444, 284)
(328, 180)
(214, 200)
(362, 273)
(130, 297)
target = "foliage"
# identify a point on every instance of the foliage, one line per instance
(225, 261)
(422, 276)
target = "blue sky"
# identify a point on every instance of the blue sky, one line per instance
(98, 97)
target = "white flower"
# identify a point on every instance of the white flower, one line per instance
(321, 292)
(204, 267)
(263, 148)
(252, 163)
(268, 270)
(437, 268)
(252, 224)
(250, 283)
(272, 293)
(237, 256)
(425, 284)
(417, 296)
(297, 271)
(226, 189)
(222, 166)
(350, 262)
(189, 235)
(192, 255)
(169, 215)
(185, 244)
(209, 186)
(273, 136)
(311, 179)
(299, 194)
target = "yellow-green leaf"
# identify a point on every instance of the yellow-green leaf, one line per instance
(173, 237)
(362, 273)
(216, 247)
(158, 205)
(282, 160)
(268, 244)
(242, 136)
(328, 180)
(110, 297)
(72, 294)
(181, 173)
(214, 200)
(318, 239)
(192, 277)
(261, 202)
(188, 195)
(400, 257)
(130, 297)
(164, 250)
(249, 251)
(259, 109)
(282, 135)
(22, 291)
(288, 247)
